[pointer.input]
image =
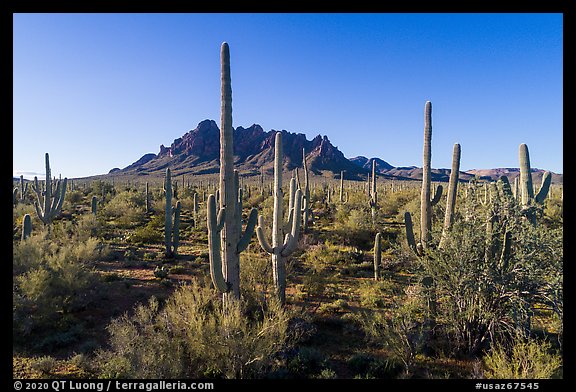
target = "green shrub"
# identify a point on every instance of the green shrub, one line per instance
(151, 233)
(481, 296)
(402, 328)
(372, 294)
(73, 197)
(51, 281)
(530, 359)
(192, 337)
(45, 364)
(125, 209)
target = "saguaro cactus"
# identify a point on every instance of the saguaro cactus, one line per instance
(147, 198)
(377, 255)
(373, 193)
(527, 190)
(94, 205)
(225, 259)
(307, 202)
(52, 197)
(425, 202)
(26, 226)
(343, 199)
(23, 188)
(452, 192)
(195, 209)
(171, 230)
(281, 247)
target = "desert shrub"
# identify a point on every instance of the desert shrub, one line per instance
(44, 364)
(51, 281)
(393, 203)
(125, 209)
(524, 359)
(483, 293)
(553, 213)
(330, 256)
(87, 226)
(305, 362)
(368, 366)
(151, 233)
(372, 294)
(401, 329)
(353, 226)
(193, 337)
(73, 197)
(256, 277)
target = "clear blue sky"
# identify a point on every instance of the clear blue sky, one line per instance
(98, 91)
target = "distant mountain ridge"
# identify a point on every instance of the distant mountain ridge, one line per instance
(198, 152)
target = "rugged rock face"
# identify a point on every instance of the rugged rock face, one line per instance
(198, 152)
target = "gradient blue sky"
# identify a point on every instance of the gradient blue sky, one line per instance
(98, 91)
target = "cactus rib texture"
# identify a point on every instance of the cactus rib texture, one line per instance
(225, 254)
(282, 245)
(452, 192)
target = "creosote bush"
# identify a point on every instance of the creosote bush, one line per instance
(524, 359)
(125, 209)
(51, 281)
(192, 336)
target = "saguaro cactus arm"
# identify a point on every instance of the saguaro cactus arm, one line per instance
(437, 195)
(544, 188)
(410, 234)
(291, 239)
(249, 231)
(215, 224)
(262, 237)
(452, 192)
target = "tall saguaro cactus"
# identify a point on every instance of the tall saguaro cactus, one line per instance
(452, 192)
(425, 207)
(377, 255)
(373, 193)
(225, 256)
(281, 247)
(23, 188)
(527, 190)
(171, 230)
(51, 198)
(425, 202)
(307, 202)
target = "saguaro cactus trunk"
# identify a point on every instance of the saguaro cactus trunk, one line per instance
(526, 187)
(377, 255)
(52, 197)
(452, 192)
(281, 247)
(225, 257)
(425, 207)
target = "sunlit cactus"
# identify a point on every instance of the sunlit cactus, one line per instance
(50, 199)
(283, 244)
(225, 253)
